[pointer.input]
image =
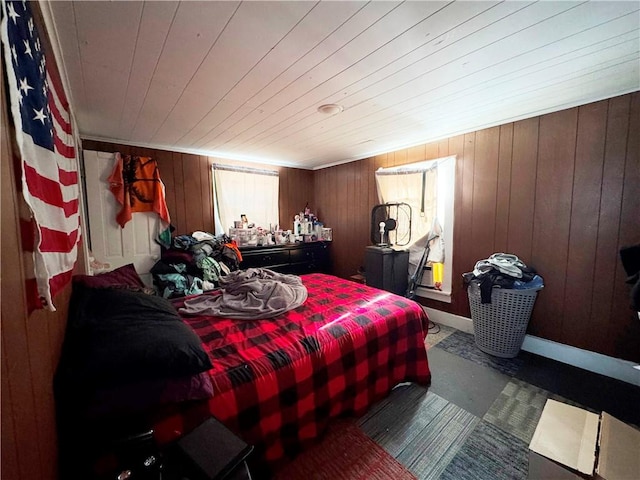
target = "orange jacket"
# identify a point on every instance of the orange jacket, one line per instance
(135, 182)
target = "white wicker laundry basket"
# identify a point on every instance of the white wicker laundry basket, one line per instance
(500, 326)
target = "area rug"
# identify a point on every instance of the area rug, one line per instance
(420, 429)
(489, 453)
(463, 344)
(345, 453)
(518, 409)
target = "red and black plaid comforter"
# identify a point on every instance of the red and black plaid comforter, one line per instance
(278, 381)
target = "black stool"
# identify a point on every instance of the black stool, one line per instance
(210, 452)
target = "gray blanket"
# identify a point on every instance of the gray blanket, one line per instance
(250, 294)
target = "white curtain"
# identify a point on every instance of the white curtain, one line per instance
(428, 187)
(415, 184)
(244, 191)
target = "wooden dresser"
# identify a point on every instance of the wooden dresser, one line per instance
(297, 258)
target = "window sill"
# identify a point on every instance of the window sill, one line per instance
(438, 295)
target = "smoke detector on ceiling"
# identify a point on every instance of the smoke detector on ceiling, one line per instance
(330, 108)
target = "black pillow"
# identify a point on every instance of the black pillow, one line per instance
(139, 397)
(118, 336)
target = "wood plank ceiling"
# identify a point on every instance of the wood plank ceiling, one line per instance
(243, 80)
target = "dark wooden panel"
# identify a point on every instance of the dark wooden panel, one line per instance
(192, 193)
(302, 193)
(286, 211)
(366, 182)
(523, 188)
(342, 226)
(9, 460)
(585, 203)
(360, 225)
(319, 192)
(464, 217)
(327, 205)
(333, 210)
(206, 193)
(624, 327)
(11, 316)
(552, 218)
(503, 188)
(99, 146)
(297, 197)
(298, 187)
(485, 180)
(39, 350)
(58, 327)
(606, 256)
(180, 220)
(370, 172)
(331, 216)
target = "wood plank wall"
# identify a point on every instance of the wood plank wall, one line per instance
(31, 345)
(187, 180)
(561, 191)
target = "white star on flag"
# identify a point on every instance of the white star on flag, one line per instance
(12, 13)
(27, 48)
(40, 115)
(24, 86)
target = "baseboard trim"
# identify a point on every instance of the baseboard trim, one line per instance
(450, 320)
(594, 362)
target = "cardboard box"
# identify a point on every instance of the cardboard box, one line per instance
(572, 443)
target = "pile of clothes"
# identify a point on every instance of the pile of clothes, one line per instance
(195, 263)
(502, 270)
(251, 294)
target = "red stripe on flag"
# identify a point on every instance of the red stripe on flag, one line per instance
(54, 76)
(66, 127)
(70, 208)
(34, 302)
(58, 282)
(68, 178)
(48, 191)
(62, 148)
(43, 188)
(56, 241)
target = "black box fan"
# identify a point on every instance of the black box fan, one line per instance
(391, 224)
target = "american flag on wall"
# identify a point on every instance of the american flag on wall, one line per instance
(42, 119)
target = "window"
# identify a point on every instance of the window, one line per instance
(245, 191)
(428, 187)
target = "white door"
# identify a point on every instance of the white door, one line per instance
(109, 243)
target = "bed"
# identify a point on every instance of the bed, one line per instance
(278, 382)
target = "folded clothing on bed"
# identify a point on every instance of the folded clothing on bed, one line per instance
(251, 294)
